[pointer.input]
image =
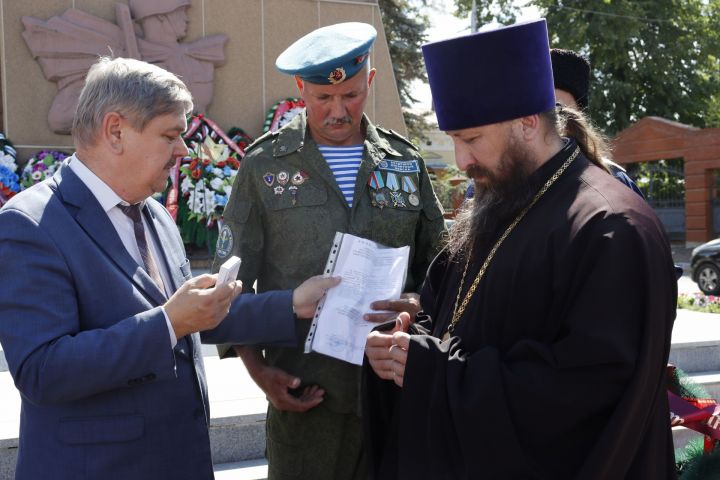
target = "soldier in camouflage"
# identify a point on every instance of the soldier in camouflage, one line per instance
(288, 200)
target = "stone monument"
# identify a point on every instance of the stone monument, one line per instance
(66, 45)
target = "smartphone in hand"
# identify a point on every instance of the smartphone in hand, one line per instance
(228, 271)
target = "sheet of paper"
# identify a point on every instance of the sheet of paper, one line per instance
(369, 272)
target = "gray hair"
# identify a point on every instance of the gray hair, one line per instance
(134, 89)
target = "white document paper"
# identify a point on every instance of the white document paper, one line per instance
(369, 272)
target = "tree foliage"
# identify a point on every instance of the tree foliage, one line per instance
(650, 57)
(405, 28)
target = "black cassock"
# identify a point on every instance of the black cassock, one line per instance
(557, 367)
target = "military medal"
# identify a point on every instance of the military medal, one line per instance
(408, 185)
(283, 178)
(299, 178)
(377, 197)
(279, 190)
(293, 193)
(397, 199)
(269, 179)
(380, 199)
(391, 181)
(376, 180)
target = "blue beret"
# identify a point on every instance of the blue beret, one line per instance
(491, 76)
(329, 54)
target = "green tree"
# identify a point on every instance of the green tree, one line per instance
(405, 27)
(651, 57)
(489, 11)
(662, 182)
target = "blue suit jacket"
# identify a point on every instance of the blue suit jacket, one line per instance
(103, 394)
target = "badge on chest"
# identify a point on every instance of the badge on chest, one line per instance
(278, 183)
(394, 183)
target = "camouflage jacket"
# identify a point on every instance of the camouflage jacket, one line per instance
(285, 208)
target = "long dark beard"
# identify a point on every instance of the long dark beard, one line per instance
(495, 203)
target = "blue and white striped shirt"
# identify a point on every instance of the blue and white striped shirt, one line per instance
(344, 163)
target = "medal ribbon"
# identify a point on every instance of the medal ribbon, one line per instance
(408, 185)
(373, 181)
(376, 180)
(392, 182)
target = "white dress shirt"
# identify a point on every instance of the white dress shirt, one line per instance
(109, 200)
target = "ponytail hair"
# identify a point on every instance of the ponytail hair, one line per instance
(572, 123)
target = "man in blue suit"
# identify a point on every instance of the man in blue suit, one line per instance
(98, 311)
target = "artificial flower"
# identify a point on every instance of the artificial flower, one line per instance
(41, 166)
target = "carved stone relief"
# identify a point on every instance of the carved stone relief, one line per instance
(67, 45)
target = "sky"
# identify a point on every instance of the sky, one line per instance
(443, 24)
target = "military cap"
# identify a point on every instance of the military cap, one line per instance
(143, 8)
(491, 76)
(329, 55)
(571, 72)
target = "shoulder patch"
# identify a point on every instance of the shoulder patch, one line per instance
(224, 246)
(395, 135)
(261, 139)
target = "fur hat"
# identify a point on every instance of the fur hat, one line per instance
(571, 72)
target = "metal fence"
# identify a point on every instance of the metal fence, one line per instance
(663, 184)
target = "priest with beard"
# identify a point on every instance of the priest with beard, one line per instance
(541, 349)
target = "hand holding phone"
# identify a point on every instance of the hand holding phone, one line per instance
(228, 271)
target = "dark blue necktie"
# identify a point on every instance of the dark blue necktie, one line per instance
(134, 213)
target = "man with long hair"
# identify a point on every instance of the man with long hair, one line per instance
(520, 366)
(571, 76)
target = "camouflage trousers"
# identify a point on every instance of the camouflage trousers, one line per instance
(315, 445)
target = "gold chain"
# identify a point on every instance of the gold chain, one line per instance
(457, 312)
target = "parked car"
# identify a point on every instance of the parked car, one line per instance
(705, 265)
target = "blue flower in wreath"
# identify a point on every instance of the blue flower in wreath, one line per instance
(221, 200)
(9, 179)
(209, 168)
(227, 171)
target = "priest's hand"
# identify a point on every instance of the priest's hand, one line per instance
(307, 295)
(384, 352)
(408, 302)
(398, 355)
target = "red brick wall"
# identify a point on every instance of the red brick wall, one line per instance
(654, 138)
